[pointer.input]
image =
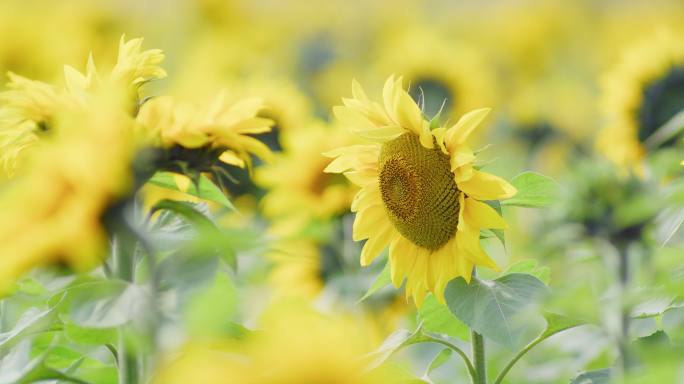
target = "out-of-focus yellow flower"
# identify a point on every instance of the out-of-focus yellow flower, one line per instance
(298, 269)
(295, 345)
(641, 93)
(218, 130)
(27, 107)
(298, 189)
(53, 211)
(445, 74)
(420, 193)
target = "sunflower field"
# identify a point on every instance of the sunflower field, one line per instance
(341, 192)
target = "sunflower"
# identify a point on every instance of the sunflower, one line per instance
(420, 192)
(53, 211)
(28, 106)
(199, 137)
(298, 189)
(444, 75)
(290, 330)
(640, 95)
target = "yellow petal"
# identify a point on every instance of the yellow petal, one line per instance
(485, 186)
(460, 131)
(231, 158)
(369, 195)
(376, 243)
(481, 215)
(367, 221)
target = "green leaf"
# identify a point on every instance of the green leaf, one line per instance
(185, 272)
(667, 223)
(442, 357)
(89, 336)
(394, 343)
(188, 211)
(600, 376)
(556, 323)
(17, 364)
(205, 188)
(493, 308)
(211, 310)
(384, 279)
(31, 321)
(106, 303)
(531, 267)
(534, 191)
(437, 318)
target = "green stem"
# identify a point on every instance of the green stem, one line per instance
(128, 362)
(459, 351)
(479, 357)
(515, 359)
(124, 269)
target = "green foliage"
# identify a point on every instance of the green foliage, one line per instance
(437, 318)
(203, 188)
(494, 308)
(530, 266)
(534, 191)
(601, 376)
(442, 357)
(384, 279)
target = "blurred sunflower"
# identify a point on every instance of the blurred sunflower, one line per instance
(641, 94)
(298, 189)
(319, 349)
(198, 138)
(28, 106)
(54, 210)
(420, 193)
(443, 75)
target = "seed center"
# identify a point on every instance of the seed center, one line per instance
(418, 191)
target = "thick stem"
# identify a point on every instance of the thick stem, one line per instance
(479, 359)
(128, 363)
(124, 269)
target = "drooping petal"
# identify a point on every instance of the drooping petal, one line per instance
(459, 132)
(367, 221)
(481, 215)
(376, 243)
(485, 186)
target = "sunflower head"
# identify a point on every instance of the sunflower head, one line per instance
(199, 137)
(420, 192)
(641, 94)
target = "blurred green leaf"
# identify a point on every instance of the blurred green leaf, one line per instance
(667, 223)
(18, 363)
(442, 357)
(491, 307)
(384, 279)
(186, 272)
(534, 191)
(530, 266)
(106, 303)
(31, 321)
(437, 318)
(600, 376)
(89, 336)
(205, 188)
(210, 312)
(556, 323)
(186, 210)
(394, 343)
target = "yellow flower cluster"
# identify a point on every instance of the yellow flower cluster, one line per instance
(294, 345)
